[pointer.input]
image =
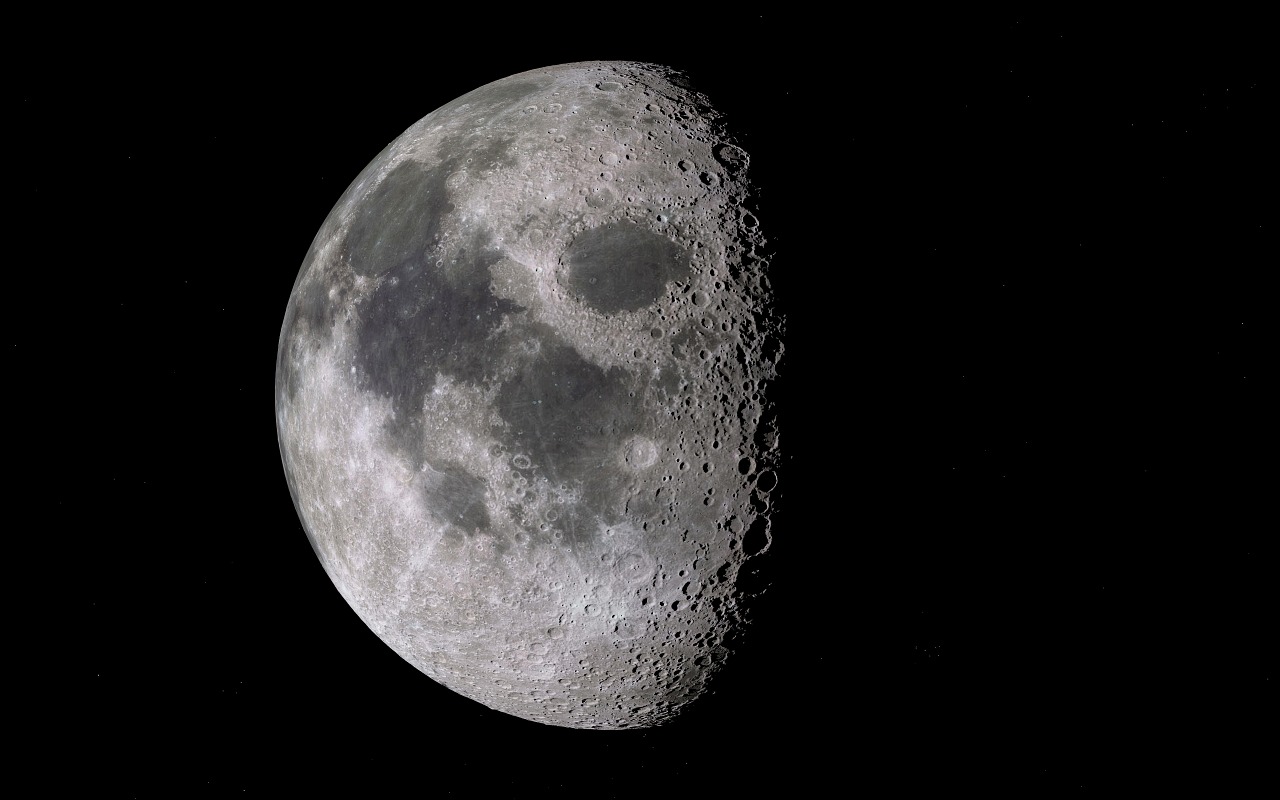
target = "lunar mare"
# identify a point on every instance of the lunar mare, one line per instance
(523, 394)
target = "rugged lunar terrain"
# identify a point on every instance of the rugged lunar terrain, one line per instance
(522, 394)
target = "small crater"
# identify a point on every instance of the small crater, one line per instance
(632, 567)
(627, 629)
(608, 86)
(757, 538)
(766, 481)
(456, 180)
(640, 453)
(733, 158)
(601, 197)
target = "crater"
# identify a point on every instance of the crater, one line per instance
(640, 453)
(633, 567)
(734, 158)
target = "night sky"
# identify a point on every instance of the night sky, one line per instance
(1020, 544)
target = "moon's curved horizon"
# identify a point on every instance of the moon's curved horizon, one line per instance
(523, 394)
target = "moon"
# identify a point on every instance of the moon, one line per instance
(524, 395)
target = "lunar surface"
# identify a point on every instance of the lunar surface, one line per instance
(523, 394)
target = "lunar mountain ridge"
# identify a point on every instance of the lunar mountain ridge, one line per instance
(523, 395)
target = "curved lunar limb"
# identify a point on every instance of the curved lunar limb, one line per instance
(523, 394)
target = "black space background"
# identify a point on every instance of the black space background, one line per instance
(1020, 547)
